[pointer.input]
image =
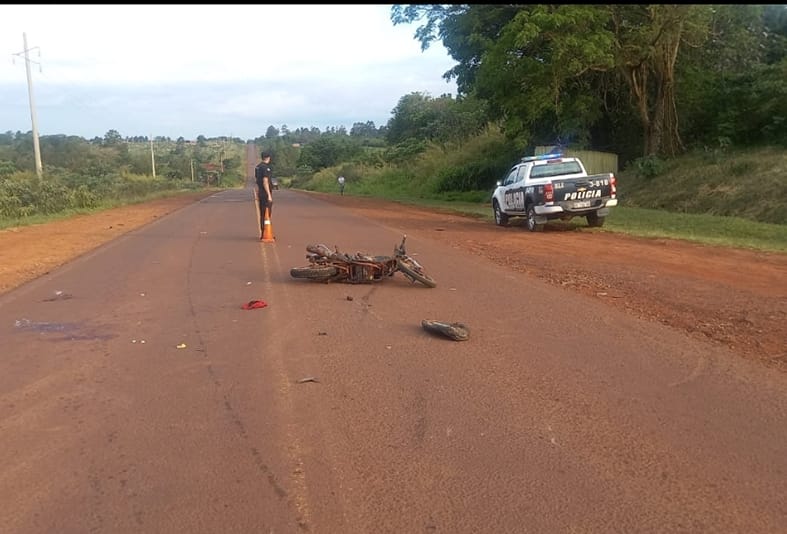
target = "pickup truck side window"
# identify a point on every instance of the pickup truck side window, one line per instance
(522, 173)
(555, 169)
(511, 178)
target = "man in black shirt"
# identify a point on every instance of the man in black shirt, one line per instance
(262, 175)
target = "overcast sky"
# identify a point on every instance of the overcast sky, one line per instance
(170, 70)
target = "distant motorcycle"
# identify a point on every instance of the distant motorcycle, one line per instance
(326, 265)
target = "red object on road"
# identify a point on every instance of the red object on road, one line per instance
(254, 304)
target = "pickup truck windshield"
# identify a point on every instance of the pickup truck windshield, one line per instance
(555, 169)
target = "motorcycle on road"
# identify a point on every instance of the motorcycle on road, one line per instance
(326, 265)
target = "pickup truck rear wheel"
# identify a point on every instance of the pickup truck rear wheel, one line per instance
(501, 219)
(532, 225)
(594, 220)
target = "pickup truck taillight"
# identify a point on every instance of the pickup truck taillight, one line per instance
(613, 183)
(549, 193)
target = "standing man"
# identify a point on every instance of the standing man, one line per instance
(341, 184)
(262, 175)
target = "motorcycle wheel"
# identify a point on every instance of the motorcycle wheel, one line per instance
(414, 274)
(321, 273)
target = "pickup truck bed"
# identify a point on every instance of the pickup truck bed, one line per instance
(550, 187)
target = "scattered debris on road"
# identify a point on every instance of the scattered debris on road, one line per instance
(59, 295)
(455, 331)
(254, 304)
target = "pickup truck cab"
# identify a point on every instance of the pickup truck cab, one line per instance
(551, 186)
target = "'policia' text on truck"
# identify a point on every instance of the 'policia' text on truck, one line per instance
(551, 186)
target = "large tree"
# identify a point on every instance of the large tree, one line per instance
(545, 61)
(418, 116)
(648, 39)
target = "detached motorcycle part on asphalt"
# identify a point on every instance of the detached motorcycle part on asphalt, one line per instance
(455, 331)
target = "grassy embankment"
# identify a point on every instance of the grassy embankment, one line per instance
(735, 199)
(61, 193)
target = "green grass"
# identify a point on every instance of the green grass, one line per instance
(732, 198)
(714, 230)
(750, 183)
(104, 205)
(702, 228)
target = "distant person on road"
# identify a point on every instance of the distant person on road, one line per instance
(341, 185)
(262, 175)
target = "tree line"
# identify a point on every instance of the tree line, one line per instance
(637, 80)
(642, 81)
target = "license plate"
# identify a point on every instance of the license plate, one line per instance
(582, 204)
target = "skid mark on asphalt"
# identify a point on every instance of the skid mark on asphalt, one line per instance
(333, 476)
(232, 413)
(271, 262)
(699, 368)
(261, 465)
(421, 423)
(367, 305)
(67, 331)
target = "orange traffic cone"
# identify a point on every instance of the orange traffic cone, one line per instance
(267, 232)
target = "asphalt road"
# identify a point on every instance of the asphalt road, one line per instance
(136, 395)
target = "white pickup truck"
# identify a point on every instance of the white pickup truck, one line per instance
(552, 186)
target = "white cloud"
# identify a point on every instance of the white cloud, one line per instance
(303, 65)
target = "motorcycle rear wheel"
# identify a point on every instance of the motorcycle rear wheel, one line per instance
(321, 273)
(415, 274)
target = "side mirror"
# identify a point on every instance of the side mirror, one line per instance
(498, 183)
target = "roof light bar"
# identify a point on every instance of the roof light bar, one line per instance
(541, 157)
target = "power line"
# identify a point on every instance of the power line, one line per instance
(36, 147)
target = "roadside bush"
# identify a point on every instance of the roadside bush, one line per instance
(52, 197)
(135, 186)
(475, 176)
(99, 185)
(10, 206)
(23, 194)
(7, 168)
(650, 166)
(404, 151)
(19, 191)
(82, 197)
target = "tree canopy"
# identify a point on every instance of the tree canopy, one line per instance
(552, 71)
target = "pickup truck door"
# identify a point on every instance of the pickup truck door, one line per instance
(514, 190)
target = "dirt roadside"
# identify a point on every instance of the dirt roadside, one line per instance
(736, 298)
(27, 252)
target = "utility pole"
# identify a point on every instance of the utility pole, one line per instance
(152, 157)
(192, 169)
(36, 147)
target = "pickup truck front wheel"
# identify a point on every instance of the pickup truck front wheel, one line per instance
(532, 225)
(501, 219)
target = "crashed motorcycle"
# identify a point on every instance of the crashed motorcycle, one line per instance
(326, 265)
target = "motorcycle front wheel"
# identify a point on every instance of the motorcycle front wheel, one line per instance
(415, 274)
(321, 273)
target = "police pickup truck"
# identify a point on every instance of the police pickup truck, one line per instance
(552, 186)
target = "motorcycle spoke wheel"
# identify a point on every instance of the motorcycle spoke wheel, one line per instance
(415, 274)
(322, 273)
